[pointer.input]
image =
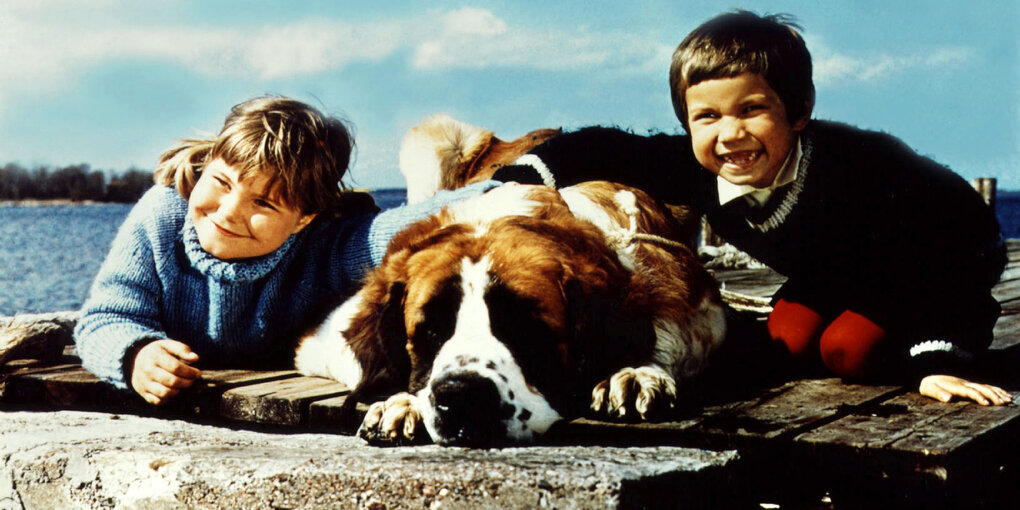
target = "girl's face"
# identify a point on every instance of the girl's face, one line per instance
(739, 128)
(240, 218)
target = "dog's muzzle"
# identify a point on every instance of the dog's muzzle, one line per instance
(469, 410)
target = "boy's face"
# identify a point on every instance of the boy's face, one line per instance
(739, 128)
(240, 218)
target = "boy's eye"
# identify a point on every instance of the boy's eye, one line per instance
(753, 108)
(265, 204)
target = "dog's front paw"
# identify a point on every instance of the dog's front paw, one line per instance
(642, 391)
(395, 421)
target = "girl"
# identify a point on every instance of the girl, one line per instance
(242, 238)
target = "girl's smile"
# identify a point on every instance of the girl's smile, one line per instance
(739, 129)
(226, 232)
(240, 217)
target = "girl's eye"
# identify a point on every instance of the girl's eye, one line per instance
(222, 183)
(704, 115)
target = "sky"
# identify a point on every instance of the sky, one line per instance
(114, 83)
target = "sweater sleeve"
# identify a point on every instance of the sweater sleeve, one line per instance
(122, 310)
(367, 244)
(661, 165)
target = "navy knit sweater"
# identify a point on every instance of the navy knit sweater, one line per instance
(868, 225)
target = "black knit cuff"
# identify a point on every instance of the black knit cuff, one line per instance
(526, 170)
(938, 357)
(523, 174)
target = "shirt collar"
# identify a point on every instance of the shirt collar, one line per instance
(729, 192)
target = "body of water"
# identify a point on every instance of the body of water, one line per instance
(50, 254)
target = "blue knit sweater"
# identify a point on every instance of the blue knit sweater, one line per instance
(157, 283)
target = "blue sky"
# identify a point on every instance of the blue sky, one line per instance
(113, 83)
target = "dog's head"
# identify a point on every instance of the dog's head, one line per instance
(501, 323)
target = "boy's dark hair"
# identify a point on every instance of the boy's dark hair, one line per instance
(742, 41)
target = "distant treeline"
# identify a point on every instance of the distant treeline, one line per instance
(76, 182)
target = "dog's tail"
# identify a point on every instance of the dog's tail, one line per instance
(437, 154)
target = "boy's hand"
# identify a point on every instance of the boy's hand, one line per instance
(945, 387)
(161, 370)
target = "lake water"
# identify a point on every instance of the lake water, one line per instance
(49, 254)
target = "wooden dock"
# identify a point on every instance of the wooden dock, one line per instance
(798, 439)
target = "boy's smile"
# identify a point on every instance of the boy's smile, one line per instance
(739, 128)
(239, 218)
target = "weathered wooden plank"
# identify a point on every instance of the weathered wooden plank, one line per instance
(1006, 291)
(32, 368)
(283, 402)
(332, 414)
(882, 425)
(71, 385)
(762, 282)
(65, 385)
(752, 288)
(1011, 273)
(790, 409)
(19, 364)
(203, 398)
(955, 430)
(225, 379)
(1007, 331)
(1010, 306)
(914, 445)
(1013, 249)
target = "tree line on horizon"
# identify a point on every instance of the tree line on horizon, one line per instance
(75, 182)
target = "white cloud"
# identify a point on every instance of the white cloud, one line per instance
(832, 67)
(35, 51)
(472, 21)
(40, 49)
(493, 43)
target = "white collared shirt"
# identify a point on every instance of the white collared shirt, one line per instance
(729, 192)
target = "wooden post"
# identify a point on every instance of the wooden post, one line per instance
(986, 187)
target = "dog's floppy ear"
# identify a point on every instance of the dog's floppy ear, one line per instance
(386, 363)
(393, 333)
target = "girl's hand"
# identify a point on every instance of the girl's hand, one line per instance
(161, 370)
(945, 387)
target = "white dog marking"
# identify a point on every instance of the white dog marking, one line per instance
(326, 353)
(474, 349)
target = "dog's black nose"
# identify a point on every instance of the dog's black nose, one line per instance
(469, 410)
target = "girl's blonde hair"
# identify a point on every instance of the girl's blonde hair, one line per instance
(304, 153)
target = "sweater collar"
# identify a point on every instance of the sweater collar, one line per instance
(235, 271)
(729, 192)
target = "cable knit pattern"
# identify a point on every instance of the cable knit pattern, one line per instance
(792, 194)
(242, 271)
(157, 282)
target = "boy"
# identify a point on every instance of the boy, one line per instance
(890, 257)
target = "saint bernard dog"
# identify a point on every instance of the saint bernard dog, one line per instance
(500, 315)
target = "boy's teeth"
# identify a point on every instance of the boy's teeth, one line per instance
(740, 158)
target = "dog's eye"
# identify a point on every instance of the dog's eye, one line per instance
(439, 315)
